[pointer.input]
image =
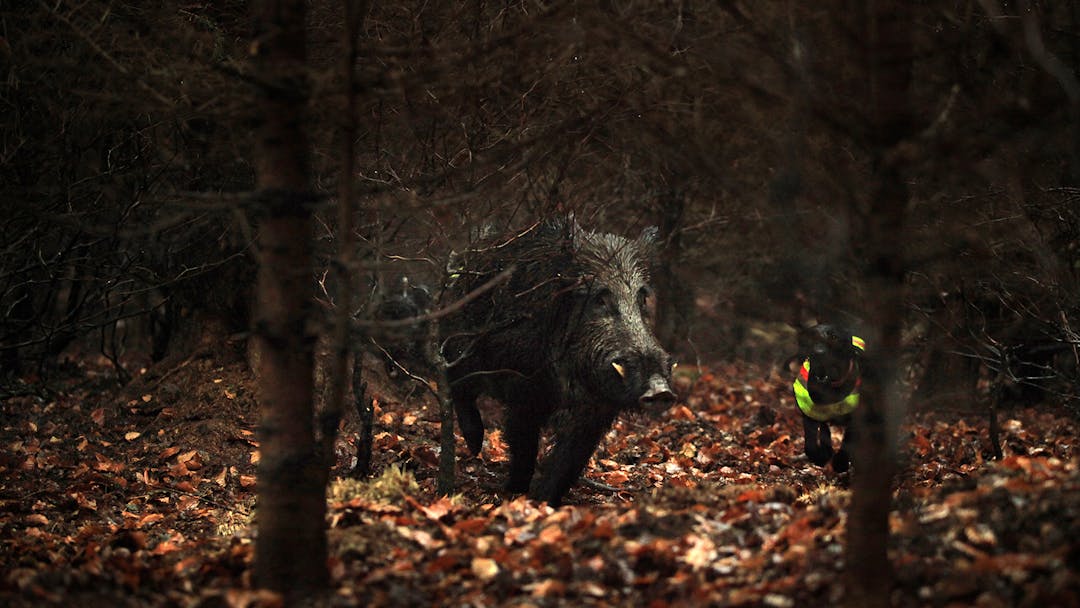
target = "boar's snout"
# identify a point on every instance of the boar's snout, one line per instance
(650, 389)
(658, 392)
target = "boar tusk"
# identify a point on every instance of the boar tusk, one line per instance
(674, 365)
(618, 368)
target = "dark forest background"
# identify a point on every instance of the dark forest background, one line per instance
(735, 128)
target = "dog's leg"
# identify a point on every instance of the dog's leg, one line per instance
(818, 441)
(842, 459)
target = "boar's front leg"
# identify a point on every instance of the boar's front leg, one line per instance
(575, 443)
(471, 425)
(523, 422)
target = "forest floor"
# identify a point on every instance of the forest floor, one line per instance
(143, 496)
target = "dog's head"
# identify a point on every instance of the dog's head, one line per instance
(835, 356)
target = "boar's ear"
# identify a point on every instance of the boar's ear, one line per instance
(649, 235)
(649, 240)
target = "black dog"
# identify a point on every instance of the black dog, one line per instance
(827, 390)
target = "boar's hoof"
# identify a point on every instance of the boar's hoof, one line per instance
(658, 393)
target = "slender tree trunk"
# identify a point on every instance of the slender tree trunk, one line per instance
(675, 300)
(881, 239)
(365, 413)
(446, 478)
(290, 554)
(343, 265)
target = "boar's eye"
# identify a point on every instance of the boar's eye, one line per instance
(603, 302)
(644, 298)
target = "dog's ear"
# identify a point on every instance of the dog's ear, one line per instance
(807, 336)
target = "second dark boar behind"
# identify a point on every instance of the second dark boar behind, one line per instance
(567, 331)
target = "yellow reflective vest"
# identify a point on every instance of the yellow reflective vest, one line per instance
(824, 412)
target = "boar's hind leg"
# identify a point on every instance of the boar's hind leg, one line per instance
(522, 430)
(470, 423)
(574, 445)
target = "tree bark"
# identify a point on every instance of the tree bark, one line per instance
(291, 549)
(337, 375)
(446, 479)
(675, 297)
(365, 413)
(888, 27)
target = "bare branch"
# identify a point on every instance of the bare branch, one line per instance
(105, 54)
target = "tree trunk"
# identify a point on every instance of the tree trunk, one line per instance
(365, 413)
(290, 554)
(675, 300)
(881, 239)
(337, 376)
(446, 479)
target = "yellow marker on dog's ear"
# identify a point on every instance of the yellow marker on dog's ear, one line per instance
(858, 343)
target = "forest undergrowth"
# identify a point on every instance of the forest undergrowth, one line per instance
(144, 496)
